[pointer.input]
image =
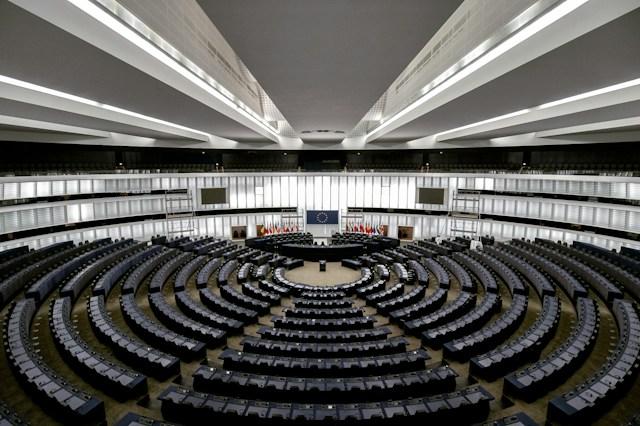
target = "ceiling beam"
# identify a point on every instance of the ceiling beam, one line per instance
(112, 36)
(586, 17)
(596, 99)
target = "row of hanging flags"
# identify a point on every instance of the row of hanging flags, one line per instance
(365, 228)
(278, 228)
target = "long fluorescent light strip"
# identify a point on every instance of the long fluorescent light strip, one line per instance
(563, 101)
(527, 32)
(52, 92)
(130, 35)
(483, 122)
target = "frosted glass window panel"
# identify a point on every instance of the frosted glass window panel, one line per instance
(586, 214)
(232, 191)
(58, 214)
(251, 192)
(485, 205)
(342, 193)
(618, 219)
(573, 213)
(293, 191)
(124, 208)
(601, 217)
(43, 189)
(393, 192)
(44, 217)
(489, 184)
(86, 186)
(574, 187)
(385, 195)
(507, 230)
(137, 231)
(219, 231)
(111, 185)
(99, 211)
(73, 213)
(603, 189)
(145, 184)
(86, 211)
(556, 235)
(11, 221)
(403, 196)
(368, 192)
(634, 221)
(57, 187)
(530, 232)
(589, 188)
(317, 193)
(326, 193)
(284, 192)
(72, 187)
(376, 191)
(112, 209)
(535, 186)
(125, 232)
(546, 211)
(634, 191)
(89, 235)
(561, 187)
(308, 193)
(136, 207)
(27, 189)
(122, 185)
(97, 185)
(547, 186)
(268, 192)
(226, 227)
(275, 187)
(335, 193)
(559, 212)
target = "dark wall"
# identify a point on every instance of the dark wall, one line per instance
(27, 157)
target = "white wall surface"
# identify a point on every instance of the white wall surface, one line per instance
(325, 191)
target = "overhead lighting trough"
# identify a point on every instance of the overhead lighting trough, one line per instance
(452, 76)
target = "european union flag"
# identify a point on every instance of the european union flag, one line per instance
(322, 217)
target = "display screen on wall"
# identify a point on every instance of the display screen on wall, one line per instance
(214, 196)
(431, 195)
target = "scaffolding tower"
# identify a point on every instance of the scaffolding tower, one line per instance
(464, 214)
(179, 213)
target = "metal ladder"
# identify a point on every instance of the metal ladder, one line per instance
(179, 212)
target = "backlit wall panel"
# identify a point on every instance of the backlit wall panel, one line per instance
(324, 191)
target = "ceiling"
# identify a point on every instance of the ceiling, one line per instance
(323, 63)
(586, 63)
(36, 51)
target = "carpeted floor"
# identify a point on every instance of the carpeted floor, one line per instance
(335, 274)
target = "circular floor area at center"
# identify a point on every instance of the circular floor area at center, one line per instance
(334, 275)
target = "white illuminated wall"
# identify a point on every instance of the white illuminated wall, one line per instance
(323, 191)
